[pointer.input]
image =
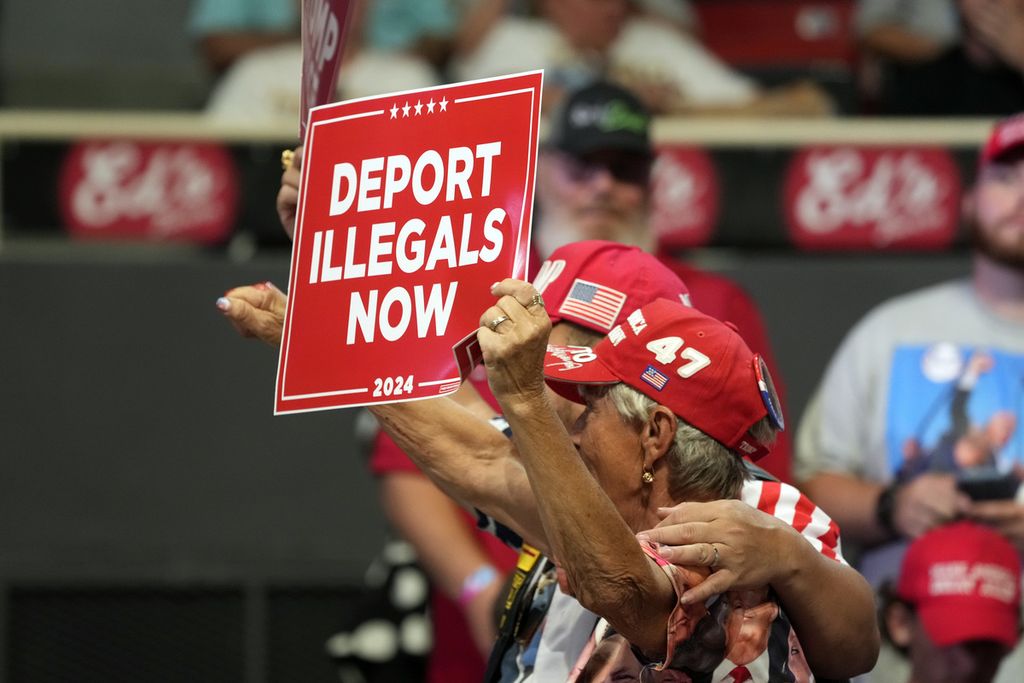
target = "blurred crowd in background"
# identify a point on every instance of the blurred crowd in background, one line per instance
(917, 58)
(829, 57)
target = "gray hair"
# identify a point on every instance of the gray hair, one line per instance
(700, 468)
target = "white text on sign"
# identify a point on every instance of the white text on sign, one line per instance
(373, 187)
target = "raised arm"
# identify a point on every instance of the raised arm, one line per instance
(467, 458)
(606, 569)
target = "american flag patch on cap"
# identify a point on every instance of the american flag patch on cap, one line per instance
(655, 378)
(593, 303)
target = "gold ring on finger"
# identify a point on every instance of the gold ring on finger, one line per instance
(287, 157)
(537, 300)
(497, 321)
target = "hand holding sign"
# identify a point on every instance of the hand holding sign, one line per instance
(411, 204)
(513, 337)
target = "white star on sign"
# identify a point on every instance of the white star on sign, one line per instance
(405, 110)
(430, 106)
(419, 107)
(444, 104)
(394, 111)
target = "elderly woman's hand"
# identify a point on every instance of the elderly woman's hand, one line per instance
(513, 336)
(744, 547)
(255, 311)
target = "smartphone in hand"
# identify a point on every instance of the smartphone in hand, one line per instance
(988, 484)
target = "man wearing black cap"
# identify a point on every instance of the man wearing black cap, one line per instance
(593, 173)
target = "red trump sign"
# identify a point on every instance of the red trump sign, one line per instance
(323, 33)
(411, 205)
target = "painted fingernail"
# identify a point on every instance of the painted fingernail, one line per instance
(223, 303)
(260, 286)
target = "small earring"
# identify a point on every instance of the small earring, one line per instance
(647, 477)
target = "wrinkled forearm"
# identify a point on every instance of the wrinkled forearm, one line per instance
(467, 458)
(607, 571)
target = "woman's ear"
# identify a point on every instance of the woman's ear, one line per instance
(658, 434)
(899, 622)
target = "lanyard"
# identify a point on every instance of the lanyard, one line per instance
(529, 567)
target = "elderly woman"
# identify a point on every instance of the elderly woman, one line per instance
(746, 548)
(672, 398)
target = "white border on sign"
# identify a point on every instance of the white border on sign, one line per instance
(525, 213)
(438, 381)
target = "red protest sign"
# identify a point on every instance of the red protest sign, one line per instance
(323, 32)
(411, 205)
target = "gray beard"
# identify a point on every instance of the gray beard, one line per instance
(550, 234)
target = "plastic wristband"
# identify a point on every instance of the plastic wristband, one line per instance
(473, 584)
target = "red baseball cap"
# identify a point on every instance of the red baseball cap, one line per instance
(1007, 136)
(595, 282)
(691, 363)
(964, 581)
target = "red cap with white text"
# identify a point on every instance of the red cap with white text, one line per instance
(595, 282)
(1007, 136)
(964, 582)
(685, 360)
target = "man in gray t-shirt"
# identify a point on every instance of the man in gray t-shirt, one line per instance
(925, 397)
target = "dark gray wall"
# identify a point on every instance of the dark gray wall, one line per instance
(138, 436)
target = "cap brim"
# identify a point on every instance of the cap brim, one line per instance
(568, 367)
(950, 622)
(1007, 154)
(999, 151)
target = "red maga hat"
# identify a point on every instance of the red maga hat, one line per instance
(1007, 136)
(685, 360)
(595, 282)
(964, 581)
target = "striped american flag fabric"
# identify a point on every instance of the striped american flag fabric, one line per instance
(654, 378)
(794, 508)
(593, 303)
